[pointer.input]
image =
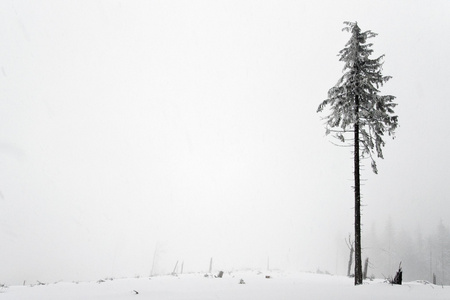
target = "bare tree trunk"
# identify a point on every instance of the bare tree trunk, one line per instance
(350, 260)
(366, 265)
(358, 263)
(175, 269)
(398, 277)
(210, 265)
(154, 258)
(349, 270)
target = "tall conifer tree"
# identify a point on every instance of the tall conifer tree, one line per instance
(356, 108)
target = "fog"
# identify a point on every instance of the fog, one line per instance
(135, 134)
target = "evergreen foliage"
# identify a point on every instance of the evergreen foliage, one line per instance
(362, 79)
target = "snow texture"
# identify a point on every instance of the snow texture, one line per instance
(258, 285)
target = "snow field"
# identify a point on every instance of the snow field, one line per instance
(284, 286)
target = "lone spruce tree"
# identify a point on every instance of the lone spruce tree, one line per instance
(358, 115)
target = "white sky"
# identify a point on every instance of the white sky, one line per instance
(191, 126)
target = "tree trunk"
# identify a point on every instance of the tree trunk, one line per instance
(398, 277)
(210, 266)
(154, 258)
(358, 262)
(175, 269)
(349, 269)
(366, 265)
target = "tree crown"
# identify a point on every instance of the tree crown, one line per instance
(355, 99)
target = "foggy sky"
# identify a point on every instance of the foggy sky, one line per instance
(190, 127)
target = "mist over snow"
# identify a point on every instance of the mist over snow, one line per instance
(135, 134)
(233, 285)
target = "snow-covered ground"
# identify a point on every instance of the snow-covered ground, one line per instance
(196, 286)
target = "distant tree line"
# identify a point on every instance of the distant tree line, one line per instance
(423, 257)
